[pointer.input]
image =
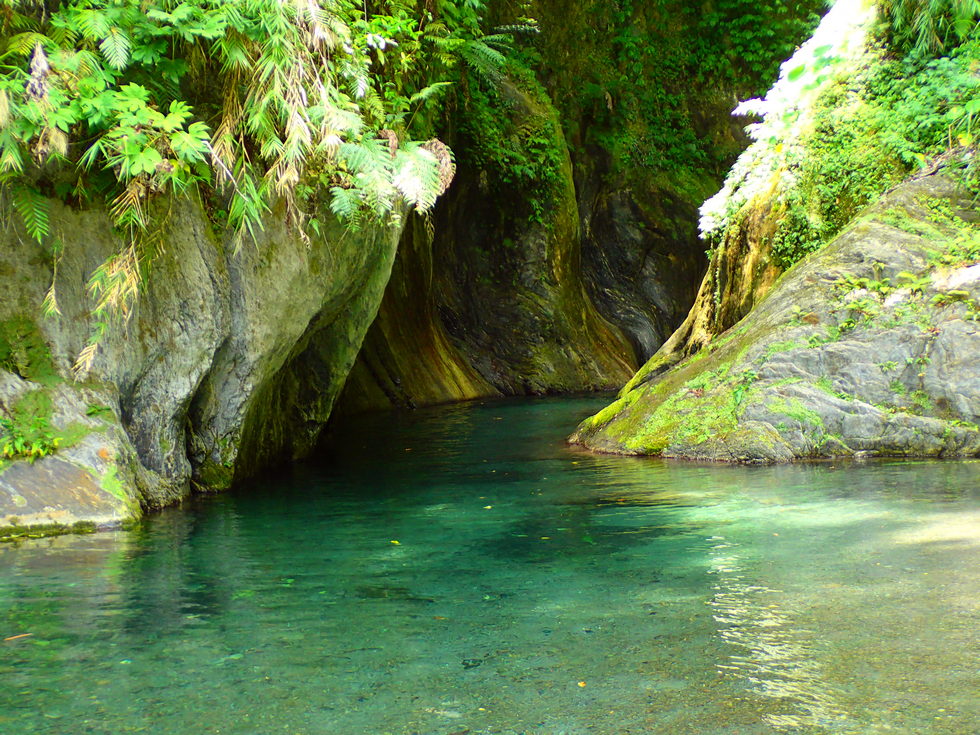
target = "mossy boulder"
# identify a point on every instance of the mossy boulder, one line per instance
(229, 361)
(865, 348)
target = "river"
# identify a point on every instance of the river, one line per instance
(460, 570)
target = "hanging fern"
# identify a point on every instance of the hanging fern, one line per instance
(249, 102)
(33, 209)
(417, 177)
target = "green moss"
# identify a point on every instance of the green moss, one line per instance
(704, 408)
(100, 411)
(113, 485)
(611, 411)
(16, 532)
(794, 409)
(23, 351)
(968, 425)
(214, 476)
(789, 345)
(685, 418)
(827, 386)
(903, 220)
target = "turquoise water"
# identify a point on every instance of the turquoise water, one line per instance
(532, 589)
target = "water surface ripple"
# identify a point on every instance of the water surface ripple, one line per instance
(460, 571)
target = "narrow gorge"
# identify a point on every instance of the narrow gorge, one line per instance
(489, 367)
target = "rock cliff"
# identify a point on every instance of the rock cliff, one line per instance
(862, 349)
(228, 363)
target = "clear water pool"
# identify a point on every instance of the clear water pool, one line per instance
(460, 570)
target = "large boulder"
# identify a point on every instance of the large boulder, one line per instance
(866, 348)
(228, 362)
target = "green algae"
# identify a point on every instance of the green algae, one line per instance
(23, 351)
(14, 532)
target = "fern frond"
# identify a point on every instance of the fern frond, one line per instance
(85, 359)
(92, 22)
(346, 205)
(49, 306)
(487, 62)
(11, 155)
(427, 93)
(115, 48)
(127, 208)
(23, 44)
(33, 209)
(368, 155)
(417, 177)
(4, 108)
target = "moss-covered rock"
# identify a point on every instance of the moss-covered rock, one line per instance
(492, 300)
(865, 348)
(230, 361)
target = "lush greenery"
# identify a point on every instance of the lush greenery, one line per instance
(870, 130)
(245, 102)
(928, 27)
(645, 81)
(849, 118)
(27, 431)
(511, 133)
(27, 428)
(633, 84)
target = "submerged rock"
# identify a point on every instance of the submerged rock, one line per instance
(866, 348)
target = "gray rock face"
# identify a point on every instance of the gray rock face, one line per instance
(227, 363)
(642, 259)
(869, 347)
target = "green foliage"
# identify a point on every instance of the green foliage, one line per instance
(962, 250)
(869, 132)
(511, 133)
(26, 433)
(928, 27)
(100, 411)
(915, 283)
(247, 102)
(643, 78)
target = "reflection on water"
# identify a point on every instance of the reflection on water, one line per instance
(461, 571)
(774, 653)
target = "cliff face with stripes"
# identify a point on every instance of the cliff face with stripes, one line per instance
(561, 258)
(567, 278)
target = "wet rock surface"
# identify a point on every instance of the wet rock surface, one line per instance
(866, 348)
